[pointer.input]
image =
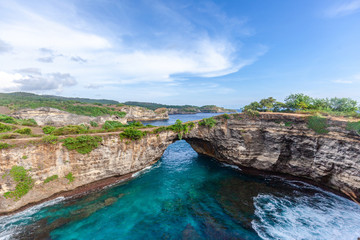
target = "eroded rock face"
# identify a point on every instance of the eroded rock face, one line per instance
(265, 143)
(115, 157)
(278, 143)
(56, 117)
(134, 113)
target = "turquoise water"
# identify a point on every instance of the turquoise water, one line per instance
(187, 196)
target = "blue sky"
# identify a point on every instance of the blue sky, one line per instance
(227, 53)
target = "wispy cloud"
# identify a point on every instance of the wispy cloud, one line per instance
(345, 8)
(115, 50)
(349, 80)
(34, 80)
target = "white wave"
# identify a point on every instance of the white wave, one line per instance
(231, 166)
(308, 217)
(146, 170)
(12, 223)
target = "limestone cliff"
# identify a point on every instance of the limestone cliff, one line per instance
(115, 157)
(276, 143)
(56, 117)
(134, 113)
(283, 143)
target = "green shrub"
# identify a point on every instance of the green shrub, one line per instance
(5, 128)
(48, 129)
(226, 116)
(24, 182)
(70, 177)
(111, 125)
(93, 124)
(318, 124)
(27, 122)
(24, 157)
(51, 178)
(50, 139)
(82, 144)
(208, 122)
(288, 124)
(353, 126)
(70, 129)
(7, 119)
(132, 133)
(4, 145)
(8, 136)
(252, 113)
(26, 131)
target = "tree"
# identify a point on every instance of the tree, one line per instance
(252, 106)
(298, 101)
(267, 103)
(343, 105)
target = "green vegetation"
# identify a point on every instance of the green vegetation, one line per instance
(51, 178)
(184, 108)
(51, 139)
(82, 144)
(23, 180)
(306, 104)
(70, 129)
(226, 116)
(252, 113)
(93, 124)
(181, 128)
(318, 124)
(4, 145)
(48, 129)
(24, 157)
(24, 131)
(27, 122)
(8, 136)
(132, 133)
(353, 126)
(5, 128)
(70, 177)
(111, 125)
(16, 101)
(7, 119)
(288, 124)
(208, 122)
(24, 122)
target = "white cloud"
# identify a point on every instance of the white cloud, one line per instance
(34, 80)
(345, 8)
(342, 81)
(54, 46)
(349, 80)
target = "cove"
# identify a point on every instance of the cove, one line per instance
(190, 196)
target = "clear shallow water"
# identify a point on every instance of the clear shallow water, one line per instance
(186, 196)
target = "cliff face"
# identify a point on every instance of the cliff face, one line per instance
(115, 157)
(56, 117)
(134, 113)
(284, 144)
(277, 143)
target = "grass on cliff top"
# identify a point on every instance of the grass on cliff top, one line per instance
(5, 128)
(82, 144)
(353, 126)
(23, 122)
(23, 182)
(318, 124)
(208, 122)
(80, 106)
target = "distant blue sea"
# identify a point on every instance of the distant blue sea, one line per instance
(187, 196)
